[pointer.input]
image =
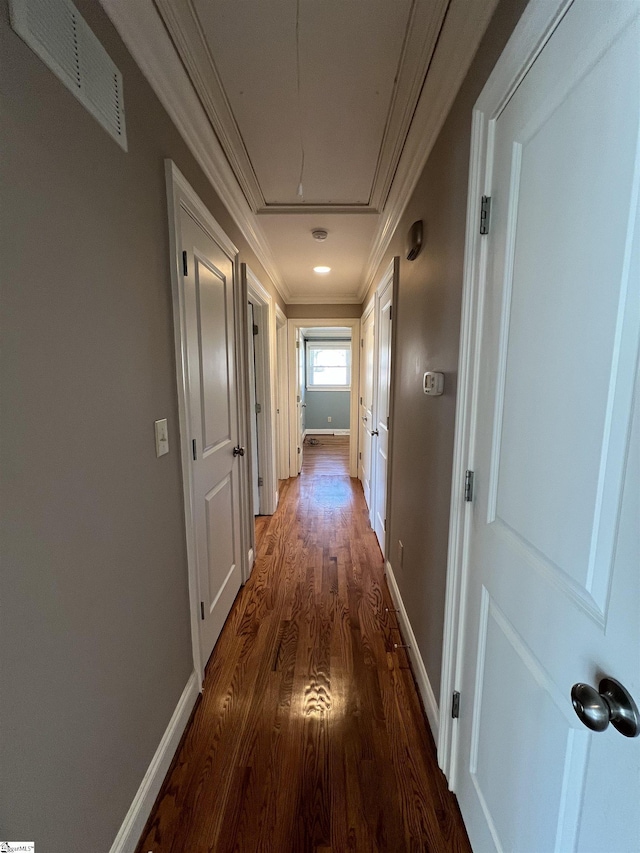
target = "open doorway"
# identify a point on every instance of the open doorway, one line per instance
(326, 394)
(323, 389)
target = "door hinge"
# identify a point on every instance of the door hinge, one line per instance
(258, 408)
(202, 610)
(297, 344)
(360, 400)
(468, 486)
(384, 526)
(193, 450)
(387, 421)
(255, 329)
(260, 481)
(359, 455)
(455, 705)
(390, 313)
(298, 450)
(298, 398)
(362, 342)
(185, 268)
(485, 214)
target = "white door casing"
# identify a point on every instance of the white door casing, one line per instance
(544, 561)
(261, 353)
(367, 407)
(206, 329)
(282, 404)
(300, 395)
(382, 403)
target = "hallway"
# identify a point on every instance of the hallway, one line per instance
(309, 735)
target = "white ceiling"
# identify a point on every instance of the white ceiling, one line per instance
(342, 96)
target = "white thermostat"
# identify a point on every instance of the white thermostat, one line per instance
(433, 383)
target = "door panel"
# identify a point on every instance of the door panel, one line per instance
(552, 597)
(367, 409)
(210, 300)
(213, 416)
(383, 387)
(253, 416)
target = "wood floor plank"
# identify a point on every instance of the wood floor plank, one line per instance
(310, 736)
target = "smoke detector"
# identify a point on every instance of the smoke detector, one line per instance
(319, 234)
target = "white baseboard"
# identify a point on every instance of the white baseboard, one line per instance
(419, 670)
(327, 432)
(131, 829)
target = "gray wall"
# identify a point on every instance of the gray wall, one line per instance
(321, 404)
(427, 327)
(95, 644)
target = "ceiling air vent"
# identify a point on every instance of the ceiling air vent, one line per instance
(56, 31)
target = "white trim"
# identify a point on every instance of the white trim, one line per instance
(461, 34)
(180, 193)
(535, 27)
(282, 368)
(417, 664)
(347, 323)
(142, 30)
(128, 836)
(262, 299)
(327, 432)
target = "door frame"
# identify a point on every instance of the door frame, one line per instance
(352, 323)
(538, 22)
(180, 194)
(282, 407)
(265, 351)
(369, 310)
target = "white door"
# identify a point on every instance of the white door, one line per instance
(380, 444)
(253, 409)
(213, 413)
(300, 395)
(553, 550)
(367, 407)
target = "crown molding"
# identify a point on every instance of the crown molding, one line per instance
(420, 39)
(349, 299)
(462, 31)
(144, 34)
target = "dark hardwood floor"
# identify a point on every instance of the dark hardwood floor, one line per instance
(310, 735)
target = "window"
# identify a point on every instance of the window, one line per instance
(329, 365)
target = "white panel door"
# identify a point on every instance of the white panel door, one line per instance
(367, 388)
(553, 551)
(213, 414)
(380, 446)
(300, 394)
(253, 411)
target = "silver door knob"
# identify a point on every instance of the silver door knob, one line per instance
(611, 703)
(238, 451)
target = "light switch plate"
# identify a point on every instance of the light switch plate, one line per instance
(162, 437)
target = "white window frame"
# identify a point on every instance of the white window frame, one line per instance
(329, 344)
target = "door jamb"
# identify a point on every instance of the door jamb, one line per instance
(538, 21)
(282, 367)
(368, 310)
(257, 294)
(180, 194)
(352, 323)
(392, 273)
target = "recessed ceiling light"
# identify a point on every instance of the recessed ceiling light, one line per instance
(322, 270)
